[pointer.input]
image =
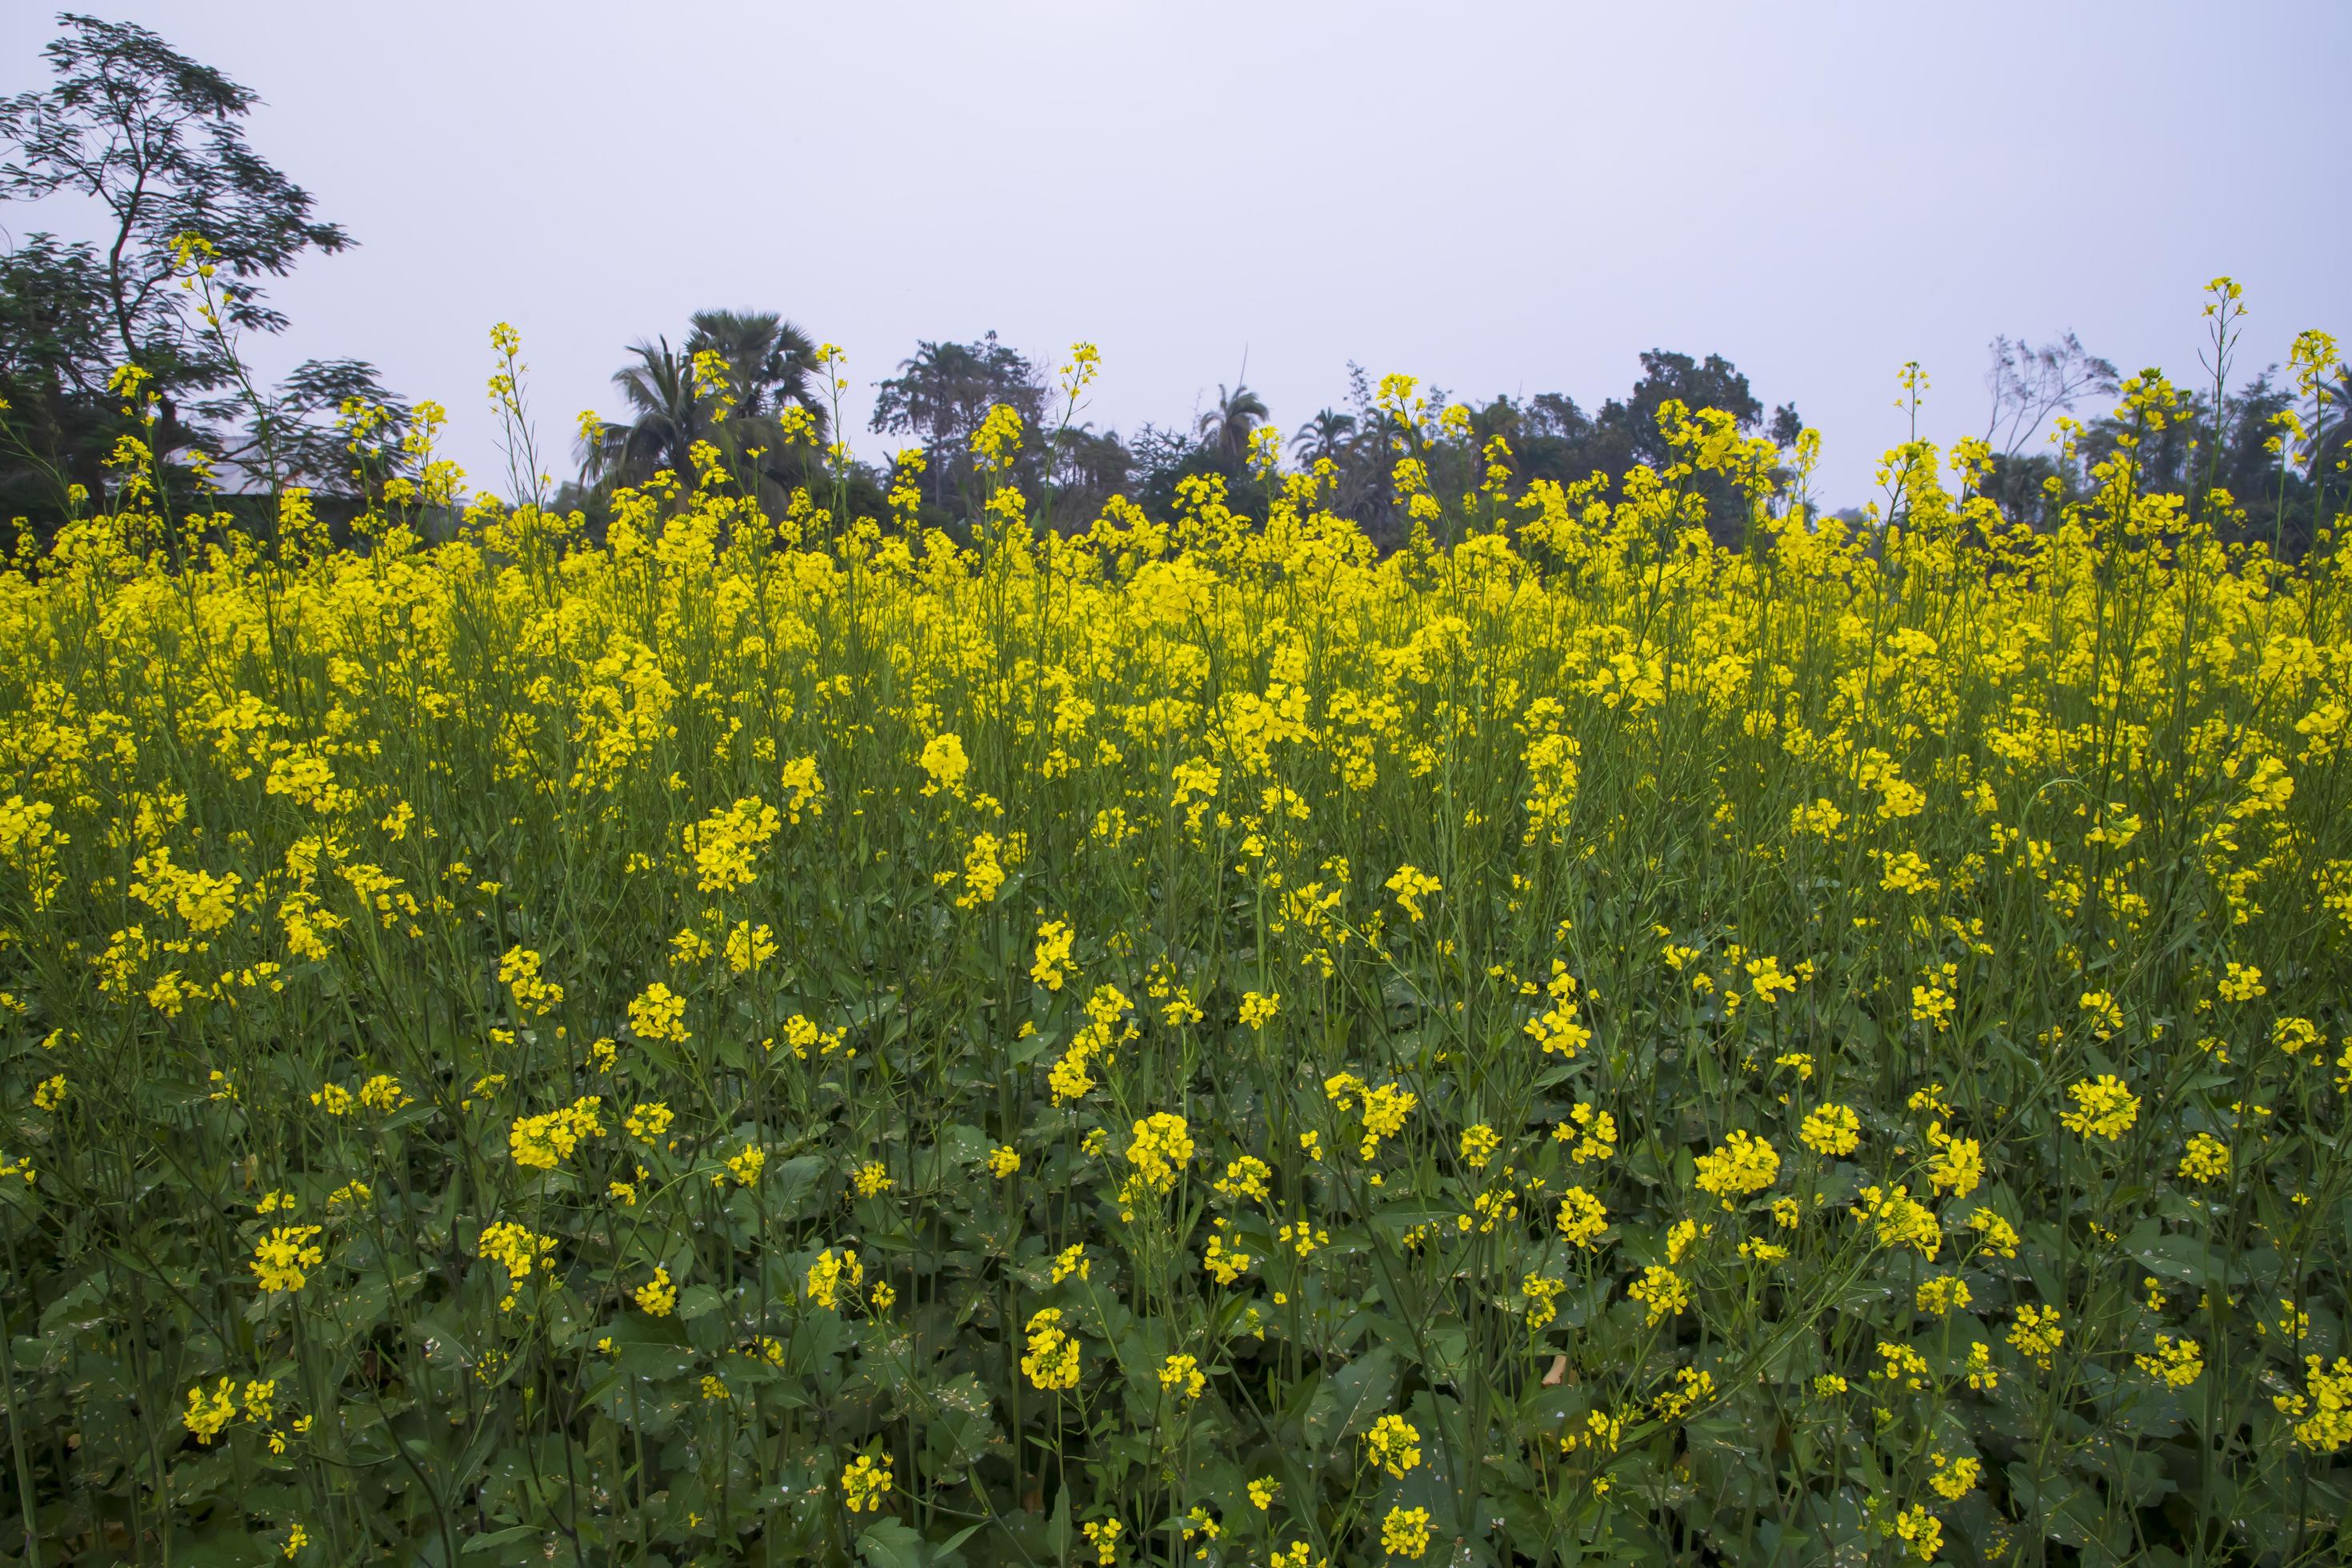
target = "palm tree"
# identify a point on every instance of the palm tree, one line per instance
(1502, 418)
(1328, 435)
(666, 417)
(770, 362)
(1227, 427)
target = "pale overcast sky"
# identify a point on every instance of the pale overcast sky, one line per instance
(1497, 197)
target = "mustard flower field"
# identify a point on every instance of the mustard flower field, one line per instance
(1620, 1031)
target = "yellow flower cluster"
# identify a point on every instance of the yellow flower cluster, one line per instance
(1162, 1147)
(834, 1277)
(865, 1483)
(2104, 1108)
(1051, 1361)
(282, 1260)
(1831, 1130)
(1741, 1164)
(545, 1141)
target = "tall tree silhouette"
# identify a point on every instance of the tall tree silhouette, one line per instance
(1227, 426)
(770, 360)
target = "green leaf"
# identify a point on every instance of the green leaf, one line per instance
(501, 1540)
(2182, 1257)
(891, 1543)
(792, 1185)
(1352, 1398)
(1058, 1534)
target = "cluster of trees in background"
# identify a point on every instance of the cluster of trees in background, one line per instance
(154, 141)
(944, 390)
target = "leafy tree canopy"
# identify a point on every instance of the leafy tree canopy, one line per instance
(156, 141)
